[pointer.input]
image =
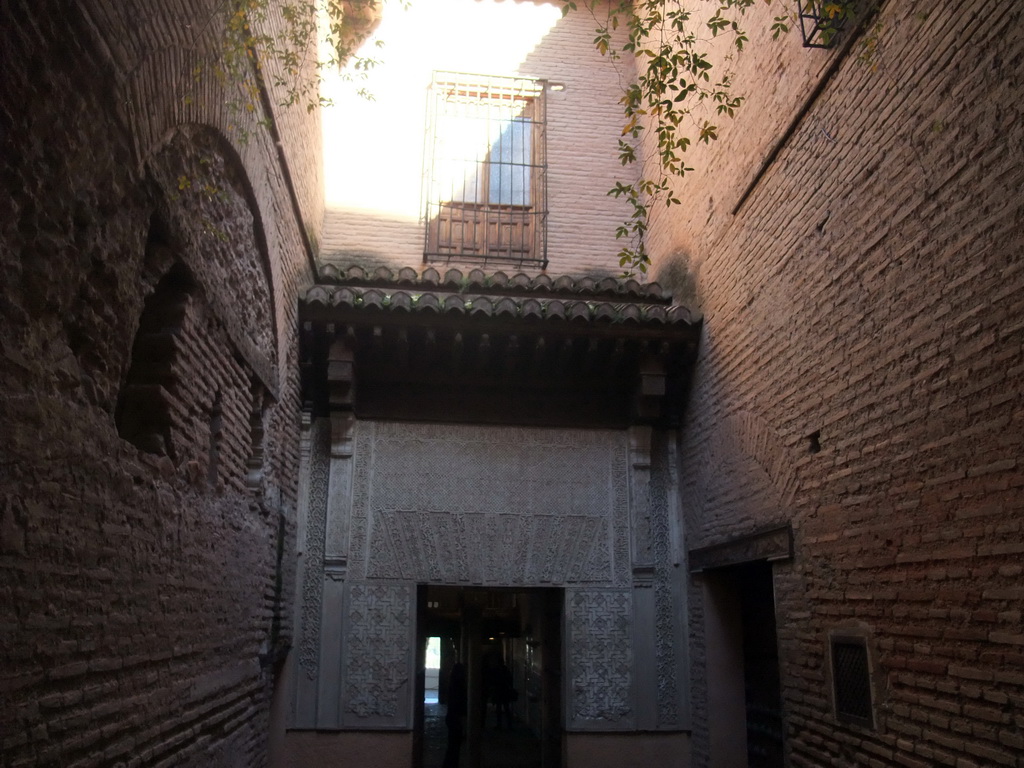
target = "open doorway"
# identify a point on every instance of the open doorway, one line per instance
(498, 656)
(744, 692)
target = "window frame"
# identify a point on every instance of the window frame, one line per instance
(481, 230)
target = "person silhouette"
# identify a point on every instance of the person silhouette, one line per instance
(455, 717)
(504, 694)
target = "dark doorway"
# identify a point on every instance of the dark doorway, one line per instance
(760, 666)
(743, 667)
(508, 642)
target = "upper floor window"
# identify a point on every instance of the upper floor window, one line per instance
(484, 180)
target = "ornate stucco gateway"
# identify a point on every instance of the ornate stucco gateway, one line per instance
(480, 430)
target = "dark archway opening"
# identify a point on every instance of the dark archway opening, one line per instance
(508, 641)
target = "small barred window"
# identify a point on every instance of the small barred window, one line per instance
(851, 681)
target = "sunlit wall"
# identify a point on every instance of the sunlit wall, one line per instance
(374, 149)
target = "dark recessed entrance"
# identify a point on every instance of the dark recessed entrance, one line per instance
(508, 643)
(743, 667)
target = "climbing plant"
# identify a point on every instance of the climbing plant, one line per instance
(290, 45)
(670, 42)
(679, 96)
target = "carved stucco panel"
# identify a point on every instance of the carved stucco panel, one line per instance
(377, 655)
(600, 655)
(460, 504)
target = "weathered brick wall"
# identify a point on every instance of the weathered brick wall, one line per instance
(868, 292)
(296, 123)
(139, 590)
(583, 124)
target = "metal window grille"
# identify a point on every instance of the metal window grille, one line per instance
(851, 681)
(821, 21)
(485, 176)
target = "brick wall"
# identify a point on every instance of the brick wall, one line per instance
(297, 126)
(141, 580)
(867, 292)
(584, 122)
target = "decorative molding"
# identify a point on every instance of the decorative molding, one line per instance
(640, 501)
(306, 421)
(313, 583)
(665, 640)
(360, 500)
(643, 576)
(771, 544)
(486, 548)
(599, 649)
(339, 499)
(620, 519)
(335, 569)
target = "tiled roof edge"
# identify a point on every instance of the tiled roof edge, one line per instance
(412, 299)
(454, 280)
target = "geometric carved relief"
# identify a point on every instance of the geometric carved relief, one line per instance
(600, 655)
(458, 504)
(377, 655)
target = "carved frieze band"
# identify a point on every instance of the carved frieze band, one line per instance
(771, 544)
(313, 581)
(377, 652)
(490, 505)
(600, 655)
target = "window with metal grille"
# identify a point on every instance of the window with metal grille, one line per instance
(485, 179)
(851, 680)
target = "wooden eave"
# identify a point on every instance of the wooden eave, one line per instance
(490, 348)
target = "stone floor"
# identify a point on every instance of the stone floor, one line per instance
(513, 746)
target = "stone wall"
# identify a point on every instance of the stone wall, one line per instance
(148, 261)
(860, 374)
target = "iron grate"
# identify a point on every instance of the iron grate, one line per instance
(485, 179)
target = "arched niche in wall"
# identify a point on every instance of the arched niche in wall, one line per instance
(214, 227)
(143, 414)
(188, 394)
(203, 374)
